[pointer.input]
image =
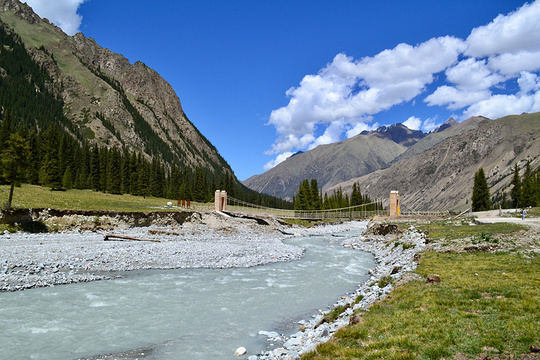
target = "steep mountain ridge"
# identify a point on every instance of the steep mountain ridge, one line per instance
(441, 177)
(110, 101)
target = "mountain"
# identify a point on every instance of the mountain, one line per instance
(333, 163)
(441, 177)
(108, 101)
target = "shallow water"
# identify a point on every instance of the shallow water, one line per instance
(180, 314)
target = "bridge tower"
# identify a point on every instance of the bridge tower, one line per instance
(394, 203)
(220, 200)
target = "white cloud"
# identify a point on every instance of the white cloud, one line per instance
(348, 91)
(513, 33)
(279, 159)
(60, 12)
(358, 128)
(511, 64)
(413, 123)
(472, 74)
(430, 124)
(345, 95)
(332, 134)
(528, 82)
(454, 98)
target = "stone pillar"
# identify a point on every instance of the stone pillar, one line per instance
(223, 200)
(217, 200)
(394, 203)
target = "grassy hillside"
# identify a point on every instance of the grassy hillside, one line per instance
(32, 196)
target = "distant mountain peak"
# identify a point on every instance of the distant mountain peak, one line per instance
(447, 124)
(398, 133)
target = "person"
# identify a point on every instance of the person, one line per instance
(523, 213)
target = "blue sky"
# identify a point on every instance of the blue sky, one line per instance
(263, 79)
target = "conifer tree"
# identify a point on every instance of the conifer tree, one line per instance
(14, 160)
(480, 197)
(516, 189)
(51, 175)
(114, 171)
(528, 196)
(315, 198)
(95, 169)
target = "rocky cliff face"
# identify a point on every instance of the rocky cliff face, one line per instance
(441, 177)
(111, 101)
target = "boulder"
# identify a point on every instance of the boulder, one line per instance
(433, 279)
(240, 351)
(383, 229)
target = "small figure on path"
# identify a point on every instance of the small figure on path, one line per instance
(523, 213)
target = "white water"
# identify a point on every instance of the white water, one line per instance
(180, 314)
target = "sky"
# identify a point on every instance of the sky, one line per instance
(264, 79)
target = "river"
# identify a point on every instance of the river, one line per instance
(180, 314)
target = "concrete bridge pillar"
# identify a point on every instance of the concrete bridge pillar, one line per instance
(394, 203)
(220, 200)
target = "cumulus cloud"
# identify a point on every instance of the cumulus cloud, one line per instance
(345, 95)
(348, 92)
(413, 123)
(513, 33)
(60, 12)
(279, 159)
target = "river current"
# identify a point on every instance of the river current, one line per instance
(181, 314)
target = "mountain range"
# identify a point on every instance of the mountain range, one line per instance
(432, 171)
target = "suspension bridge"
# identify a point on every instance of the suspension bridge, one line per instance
(223, 202)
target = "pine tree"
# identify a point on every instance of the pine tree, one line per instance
(14, 160)
(114, 171)
(303, 198)
(516, 189)
(528, 196)
(315, 198)
(480, 196)
(51, 175)
(95, 169)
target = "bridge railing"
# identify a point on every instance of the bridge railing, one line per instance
(347, 213)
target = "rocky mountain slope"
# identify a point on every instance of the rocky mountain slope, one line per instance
(334, 163)
(110, 101)
(441, 177)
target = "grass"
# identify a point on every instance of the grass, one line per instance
(32, 196)
(459, 229)
(485, 304)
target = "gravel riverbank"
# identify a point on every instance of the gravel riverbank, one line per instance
(202, 241)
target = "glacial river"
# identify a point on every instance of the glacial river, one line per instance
(180, 314)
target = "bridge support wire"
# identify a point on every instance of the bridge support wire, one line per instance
(347, 213)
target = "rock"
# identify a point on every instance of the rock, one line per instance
(270, 334)
(395, 270)
(383, 229)
(433, 279)
(240, 351)
(292, 342)
(355, 319)
(534, 348)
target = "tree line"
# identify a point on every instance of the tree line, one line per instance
(525, 190)
(310, 197)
